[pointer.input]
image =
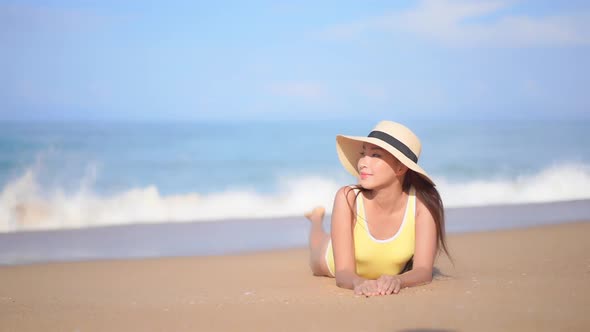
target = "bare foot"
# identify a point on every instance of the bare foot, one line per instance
(316, 215)
(318, 241)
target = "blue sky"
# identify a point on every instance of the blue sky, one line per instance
(193, 60)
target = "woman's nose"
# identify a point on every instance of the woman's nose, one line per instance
(362, 162)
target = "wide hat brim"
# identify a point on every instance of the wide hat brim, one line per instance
(349, 148)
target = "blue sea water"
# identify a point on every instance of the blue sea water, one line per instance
(81, 174)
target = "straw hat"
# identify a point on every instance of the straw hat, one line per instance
(395, 138)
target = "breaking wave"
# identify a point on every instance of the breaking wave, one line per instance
(24, 205)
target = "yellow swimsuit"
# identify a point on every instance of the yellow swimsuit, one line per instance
(376, 257)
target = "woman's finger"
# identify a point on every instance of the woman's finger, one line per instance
(379, 284)
(366, 289)
(382, 284)
(359, 289)
(398, 286)
(385, 286)
(390, 288)
(375, 288)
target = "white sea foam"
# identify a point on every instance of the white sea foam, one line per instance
(556, 183)
(24, 206)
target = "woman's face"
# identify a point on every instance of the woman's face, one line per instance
(378, 168)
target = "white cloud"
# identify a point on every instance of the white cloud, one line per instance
(458, 23)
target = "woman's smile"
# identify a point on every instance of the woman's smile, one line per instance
(365, 175)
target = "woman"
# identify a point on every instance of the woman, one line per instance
(387, 229)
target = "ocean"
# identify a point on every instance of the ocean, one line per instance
(63, 175)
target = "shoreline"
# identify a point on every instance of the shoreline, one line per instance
(225, 237)
(527, 279)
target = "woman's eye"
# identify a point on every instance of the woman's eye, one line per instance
(376, 155)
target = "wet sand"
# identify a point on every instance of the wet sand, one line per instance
(226, 237)
(531, 279)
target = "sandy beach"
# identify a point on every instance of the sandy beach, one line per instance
(533, 279)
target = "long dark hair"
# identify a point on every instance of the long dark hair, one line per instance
(429, 195)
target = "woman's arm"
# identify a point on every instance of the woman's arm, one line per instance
(425, 249)
(424, 253)
(342, 241)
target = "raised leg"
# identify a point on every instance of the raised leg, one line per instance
(318, 242)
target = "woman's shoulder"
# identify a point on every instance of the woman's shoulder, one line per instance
(346, 197)
(422, 211)
(348, 192)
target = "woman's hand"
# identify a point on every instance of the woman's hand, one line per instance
(367, 288)
(387, 284)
